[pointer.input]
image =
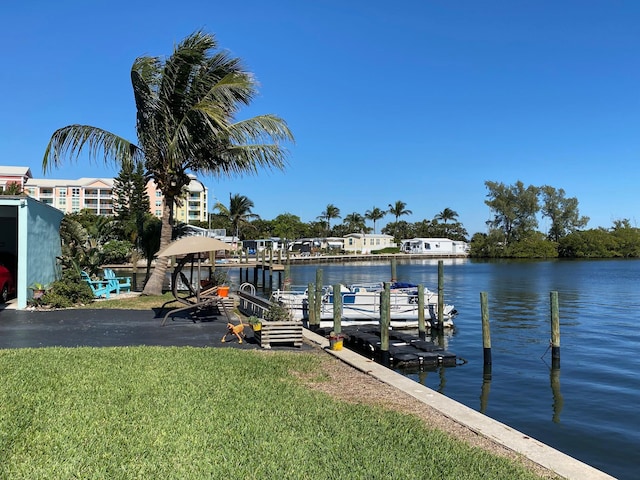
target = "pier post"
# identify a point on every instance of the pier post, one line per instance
(270, 270)
(318, 304)
(394, 276)
(311, 306)
(337, 309)
(555, 331)
(486, 333)
(422, 327)
(385, 320)
(286, 286)
(264, 275)
(440, 294)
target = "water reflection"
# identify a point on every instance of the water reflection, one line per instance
(486, 388)
(558, 401)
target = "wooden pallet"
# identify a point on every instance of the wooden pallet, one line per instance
(279, 332)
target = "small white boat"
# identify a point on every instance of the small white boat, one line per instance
(361, 305)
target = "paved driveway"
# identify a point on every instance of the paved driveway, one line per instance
(107, 328)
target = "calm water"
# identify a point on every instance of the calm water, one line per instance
(589, 408)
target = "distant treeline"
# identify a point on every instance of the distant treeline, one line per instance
(513, 230)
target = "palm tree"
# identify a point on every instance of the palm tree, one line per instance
(374, 215)
(355, 222)
(398, 209)
(447, 214)
(331, 212)
(239, 212)
(186, 122)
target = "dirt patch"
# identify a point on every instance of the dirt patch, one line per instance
(351, 385)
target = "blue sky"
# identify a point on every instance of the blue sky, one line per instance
(415, 100)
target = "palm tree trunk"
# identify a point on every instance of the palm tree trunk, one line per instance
(156, 281)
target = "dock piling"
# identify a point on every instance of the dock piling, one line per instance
(337, 309)
(486, 333)
(422, 327)
(555, 331)
(385, 320)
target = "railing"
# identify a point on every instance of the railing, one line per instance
(250, 304)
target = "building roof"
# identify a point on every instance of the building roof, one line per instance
(15, 171)
(80, 182)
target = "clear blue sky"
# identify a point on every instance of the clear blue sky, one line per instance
(413, 100)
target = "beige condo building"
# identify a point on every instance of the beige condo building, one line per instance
(96, 194)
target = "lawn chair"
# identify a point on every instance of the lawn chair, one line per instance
(99, 288)
(117, 283)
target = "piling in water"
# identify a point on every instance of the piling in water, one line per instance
(385, 320)
(555, 331)
(422, 327)
(486, 334)
(337, 309)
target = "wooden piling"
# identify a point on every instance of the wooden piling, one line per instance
(311, 307)
(422, 327)
(286, 286)
(337, 309)
(555, 331)
(385, 320)
(440, 294)
(486, 334)
(318, 304)
(270, 270)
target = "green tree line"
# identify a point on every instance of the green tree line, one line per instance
(513, 229)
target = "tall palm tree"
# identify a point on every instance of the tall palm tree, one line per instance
(374, 215)
(239, 212)
(186, 122)
(330, 213)
(355, 222)
(398, 209)
(447, 214)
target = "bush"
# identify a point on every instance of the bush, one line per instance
(277, 313)
(66, 293)
(117, 251)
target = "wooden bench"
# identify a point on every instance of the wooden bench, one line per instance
(272, 332)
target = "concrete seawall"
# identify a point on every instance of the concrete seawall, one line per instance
(548, 457)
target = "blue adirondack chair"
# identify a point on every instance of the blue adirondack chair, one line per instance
(99, 288)
(117, 284)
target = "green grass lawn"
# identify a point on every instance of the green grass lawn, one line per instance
(183, 413)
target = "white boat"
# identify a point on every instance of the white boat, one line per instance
(361, 305)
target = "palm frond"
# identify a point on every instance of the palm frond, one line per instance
(73, 139)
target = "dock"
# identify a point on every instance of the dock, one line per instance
(405, 349)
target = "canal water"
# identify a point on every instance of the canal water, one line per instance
(589, 408)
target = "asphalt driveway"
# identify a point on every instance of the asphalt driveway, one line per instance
(109, 328)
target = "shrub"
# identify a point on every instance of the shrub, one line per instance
(117, 251)
(66, 293)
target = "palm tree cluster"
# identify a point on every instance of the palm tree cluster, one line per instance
(186, 121)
